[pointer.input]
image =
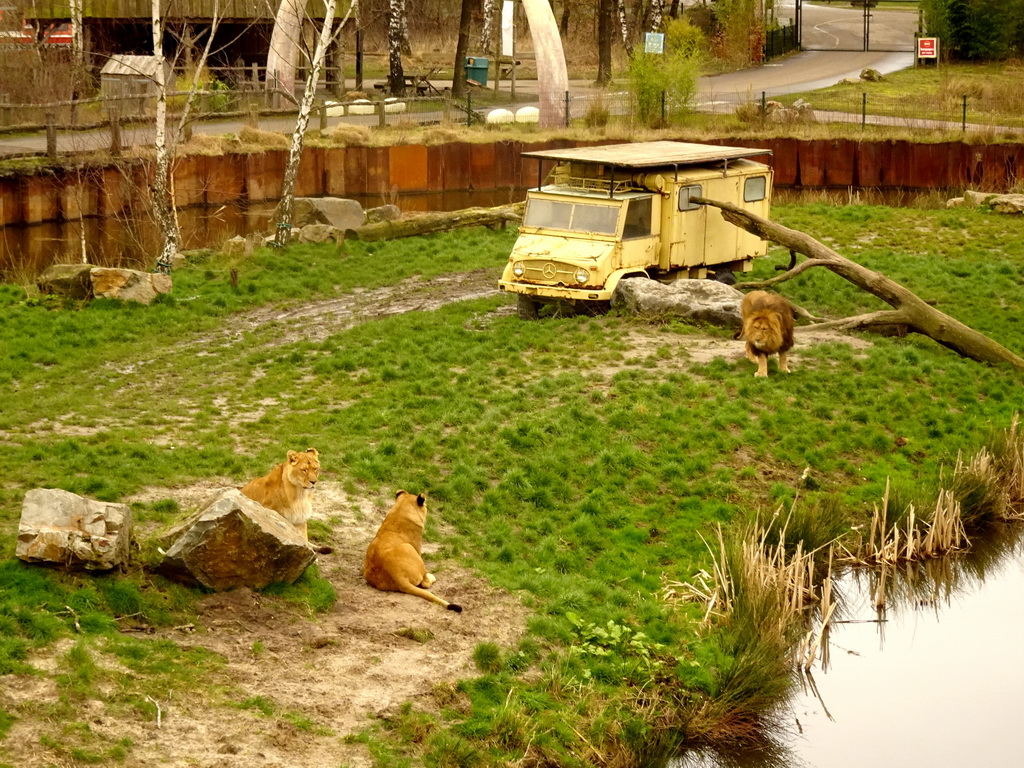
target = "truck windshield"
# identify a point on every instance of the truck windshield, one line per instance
(576, 217)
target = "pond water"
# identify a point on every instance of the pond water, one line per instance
(133, 242)
(935, 679)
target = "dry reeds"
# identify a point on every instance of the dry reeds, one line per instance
(753, 579)
(911, 537)
(1008, 458)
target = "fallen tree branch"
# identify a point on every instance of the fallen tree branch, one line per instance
(437, 222)
(911, 310)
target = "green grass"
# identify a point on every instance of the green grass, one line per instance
(562, 460)
(993, 92)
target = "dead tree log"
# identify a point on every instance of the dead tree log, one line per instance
(437, 222)
(909, 310)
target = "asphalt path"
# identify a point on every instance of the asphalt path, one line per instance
(825, 27)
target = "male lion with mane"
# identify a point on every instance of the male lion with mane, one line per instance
(768, 329)
(287, 488)
(393, 561)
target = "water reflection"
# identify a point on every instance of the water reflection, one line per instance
(931, 678)
(132, 240)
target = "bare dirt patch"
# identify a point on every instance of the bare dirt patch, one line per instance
(325, 676)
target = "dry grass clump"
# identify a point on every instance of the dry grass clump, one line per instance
(1007, 452)
(896, 537)
(255, 137)
(208, 145)
(346, 135)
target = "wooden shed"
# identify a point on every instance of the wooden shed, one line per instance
(127, 76)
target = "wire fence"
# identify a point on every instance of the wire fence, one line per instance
(119, 123)
(937, 112)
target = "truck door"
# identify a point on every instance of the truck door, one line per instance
(641, 232)
(686, 232)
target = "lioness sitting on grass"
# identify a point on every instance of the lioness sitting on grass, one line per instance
(287, 488)
(393, 561)
(768, 328)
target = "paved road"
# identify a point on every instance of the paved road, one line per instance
(824, 27)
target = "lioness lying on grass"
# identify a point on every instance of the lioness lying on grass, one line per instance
(393, 561)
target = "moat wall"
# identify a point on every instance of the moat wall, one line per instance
(365, 172)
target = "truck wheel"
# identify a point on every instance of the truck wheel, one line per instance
(528, 308)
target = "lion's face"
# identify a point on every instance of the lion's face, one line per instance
(767, 322)
(763, 329)
(303, 469)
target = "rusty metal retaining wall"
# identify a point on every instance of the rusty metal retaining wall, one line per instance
(366, 172)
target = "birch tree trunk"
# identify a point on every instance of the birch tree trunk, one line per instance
(657, 12)
(910, 312)
(620, 6)
(163, 205)
(286, 205)
(396, 23)
(487, 33)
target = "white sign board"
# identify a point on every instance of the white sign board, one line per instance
(507, 30)
(654, 42)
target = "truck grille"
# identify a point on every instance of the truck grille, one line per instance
(547, 271)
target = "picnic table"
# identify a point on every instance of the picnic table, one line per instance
(420, 83)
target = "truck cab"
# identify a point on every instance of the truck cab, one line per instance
(607, 213)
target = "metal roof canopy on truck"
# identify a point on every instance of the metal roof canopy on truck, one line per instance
(648, 154)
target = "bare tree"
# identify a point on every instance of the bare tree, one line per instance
(162, 199)
(620, 7)
(605, 9)
(656, 13)
(291, 171)
(487, 33)
(396, 38)
(459, 70)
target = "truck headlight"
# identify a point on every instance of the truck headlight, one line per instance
(582, 275)
(518, 269)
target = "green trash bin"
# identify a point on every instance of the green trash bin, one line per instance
(476, 69)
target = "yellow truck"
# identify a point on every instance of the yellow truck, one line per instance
(607, 213)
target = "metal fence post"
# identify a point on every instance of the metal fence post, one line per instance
(662, 106)
(469, 107)
(323, 117)
(963, 120)
(764, 107)
(568, 117)
(863, 109)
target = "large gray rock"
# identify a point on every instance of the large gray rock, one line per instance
(234, 542)
(61, 527)
(337, 211)
(705, 301)
(128, 284)
(387, 212)
(71, 280)
(319, 233)
(999, 203)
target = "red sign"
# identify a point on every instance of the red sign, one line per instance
(927, 47)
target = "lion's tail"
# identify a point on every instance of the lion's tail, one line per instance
(428, 595)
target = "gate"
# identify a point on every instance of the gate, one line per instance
(857, 25)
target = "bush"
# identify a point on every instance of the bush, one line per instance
(671, 76)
